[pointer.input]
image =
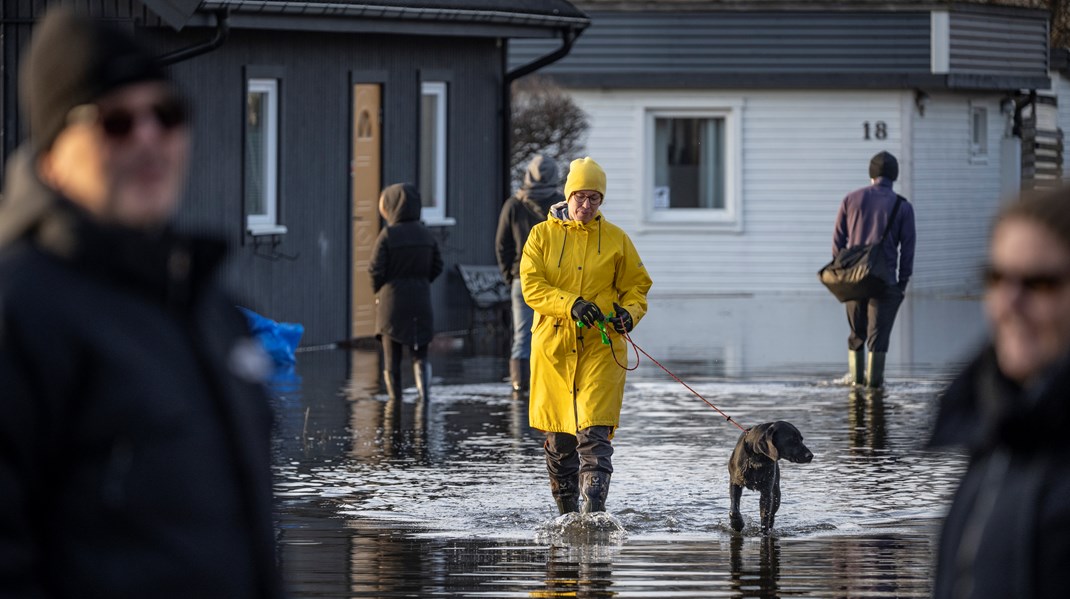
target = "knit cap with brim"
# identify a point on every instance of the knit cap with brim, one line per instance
(585, 174)
(74, 60)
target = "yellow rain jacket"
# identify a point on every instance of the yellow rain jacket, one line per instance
(575, 382)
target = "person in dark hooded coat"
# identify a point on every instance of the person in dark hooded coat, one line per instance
(522, 211)
(1007, 533)
(405, 260)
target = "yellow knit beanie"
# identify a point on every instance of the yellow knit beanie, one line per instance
(584, 173)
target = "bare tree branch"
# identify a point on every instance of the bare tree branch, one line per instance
(545, 120)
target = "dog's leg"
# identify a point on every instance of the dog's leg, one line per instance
(734, 517)
(774, 500)
(776, 493)
(765, 503)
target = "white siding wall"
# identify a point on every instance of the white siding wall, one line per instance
(801, 152)
(954, 196)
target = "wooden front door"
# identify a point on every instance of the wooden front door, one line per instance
(365, 171)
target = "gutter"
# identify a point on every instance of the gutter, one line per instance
(378, 11)
(222, 31)
(568, 37)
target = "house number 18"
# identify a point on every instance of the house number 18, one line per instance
(879, 129)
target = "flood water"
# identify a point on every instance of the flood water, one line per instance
(451, 503)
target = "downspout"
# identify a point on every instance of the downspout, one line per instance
(222, 30)
(568, 37)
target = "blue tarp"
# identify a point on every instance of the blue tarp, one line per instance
(279, 339)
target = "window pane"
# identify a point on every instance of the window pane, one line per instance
(689, 163)
(428, 148)
(255, 153)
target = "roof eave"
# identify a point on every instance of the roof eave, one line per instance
(368, 16)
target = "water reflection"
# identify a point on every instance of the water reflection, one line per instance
(585, 573)
(866, 420)
(755, 575)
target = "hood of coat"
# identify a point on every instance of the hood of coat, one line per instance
(400, 203)
(540, 184)
(25, 200)
(559, 212)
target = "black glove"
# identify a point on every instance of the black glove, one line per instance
(902, 287)
(622, 321)
(586, 312)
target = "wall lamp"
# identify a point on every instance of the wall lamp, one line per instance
(921, 100)
(1007, 105)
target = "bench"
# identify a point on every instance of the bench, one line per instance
(485, 285)
(490, 327)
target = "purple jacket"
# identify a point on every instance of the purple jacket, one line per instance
(861, 221)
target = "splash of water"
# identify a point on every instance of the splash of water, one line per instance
(574, 530)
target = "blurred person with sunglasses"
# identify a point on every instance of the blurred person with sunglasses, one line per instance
(135, 429)
(1007, 533)
(578, 268)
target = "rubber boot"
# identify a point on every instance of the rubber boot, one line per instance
(421, 371)
(392, 380)
(856, 361)
(595, 489)
(517, 375)
(566, 493)
(875, 369)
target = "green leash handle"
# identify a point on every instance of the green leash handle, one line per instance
(601, 327)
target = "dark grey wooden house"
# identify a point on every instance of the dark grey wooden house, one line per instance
(303, 111)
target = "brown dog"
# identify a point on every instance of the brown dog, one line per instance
(754, 465)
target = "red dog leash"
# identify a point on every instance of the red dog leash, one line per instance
(639, 350)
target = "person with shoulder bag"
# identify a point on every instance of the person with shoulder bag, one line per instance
(874, 231)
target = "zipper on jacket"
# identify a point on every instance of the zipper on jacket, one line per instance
(599, 219)
(561, 256)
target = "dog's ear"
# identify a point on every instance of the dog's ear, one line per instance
(766, 444)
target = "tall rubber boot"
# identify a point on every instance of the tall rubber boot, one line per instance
(595, 489)
(875, 369)
(392, 380)
(516, 375)
(856, 361)
(566, 493)
(421, 371)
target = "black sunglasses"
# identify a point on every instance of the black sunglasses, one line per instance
(118, 123)
(1033, 283)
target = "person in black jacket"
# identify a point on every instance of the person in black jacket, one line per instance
(1007, 533)
(134, 426)
(405, 260)
(522, 211)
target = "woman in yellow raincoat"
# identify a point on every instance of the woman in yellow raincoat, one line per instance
(579, 267)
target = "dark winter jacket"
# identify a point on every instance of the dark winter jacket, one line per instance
(134, 432)
(1007, 533)
(861, 221)
(405, 260)
(522, 211)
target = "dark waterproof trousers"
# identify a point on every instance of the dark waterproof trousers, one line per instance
(587, 451)
(872, 320)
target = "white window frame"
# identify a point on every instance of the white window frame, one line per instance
(728, 218)
(436, 214)
(978, 151)
(267, 223)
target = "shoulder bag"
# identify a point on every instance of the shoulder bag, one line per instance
(861, 271)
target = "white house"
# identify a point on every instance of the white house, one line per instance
(730, 135)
